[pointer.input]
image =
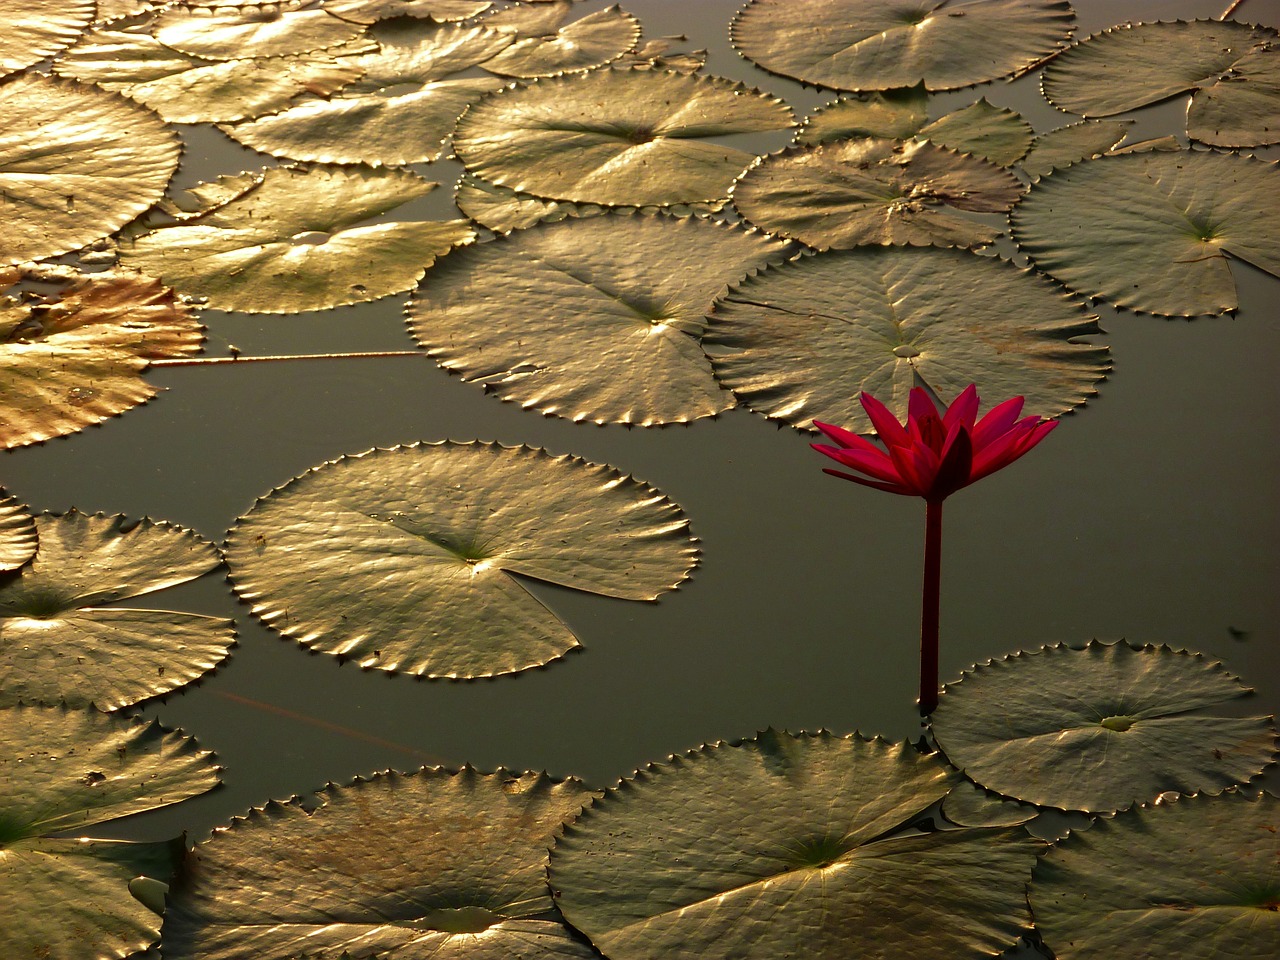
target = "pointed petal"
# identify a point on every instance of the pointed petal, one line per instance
(963, 409)
(953, 470)
(873, 462)
(919, 405)
(996, 421)
(846, 438)
(887, 426)
(914, 471)
(1022, 437)
(887, 487)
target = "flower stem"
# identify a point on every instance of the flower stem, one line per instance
(929, 609)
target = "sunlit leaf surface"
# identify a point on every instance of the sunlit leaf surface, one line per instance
(77, 359)
(892, 114)
(401, 559)
(544, 50)
(1100, 728)
(629, 137)
(402, 109)
(800, 341)
(76, 163)
(17, 533)
(67, 769)
(591, 319)
(367, 11)
(657, 54)
(1195, 879)
(853, 192)
(58, 640)
(776, 847)
(1067, 145)
(969, 805)
(432, 864)
(31, 30)
(1153, 231)
(982, 130)
(234, 31)
(294, 242)
(874, 45)
(1231, 70)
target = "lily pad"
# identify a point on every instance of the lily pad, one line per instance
(788, 845)
(31, 30)
(1194, 879)
(591, 319)
(294, 242)
(427, 864)
(982, 130)
(369, 11)
(1067, 145)
(70, 361)
(800, 341)
(1153, 231)
(541, 51)
(874, 45)
(853, 192)
(76, 163)
(402, 559)
(60, 642)
(67, 770)
(1100, 728)
(235, 31)
(624, 137)
(401, 111)
(1231, 70)
(17, 534)
(657, 54)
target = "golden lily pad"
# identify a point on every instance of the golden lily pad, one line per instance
(1101, 728)
(656, 54)
(1067, 145)
(874, 45)
(369, 11)
(1194, 879)
(982, 130)
(17, 534)
(401, 111)
(60, 640)
(428, 864)
(1153, 231)
(541, 50)
(294, 241)
(788, 846)
(403, 559)
(800, 341)
(236, 31)
(76, 163)
(852, 192)
(65, 770)
(31, 30)
(591, 319)
(74, 360)
(1231, 70)
(622, 137)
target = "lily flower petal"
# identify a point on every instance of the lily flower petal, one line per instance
(963, 409)
(997, 421)
(874, 463)
(888, 429)
(887, 487)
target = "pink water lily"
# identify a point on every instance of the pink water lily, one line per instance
(932, 456)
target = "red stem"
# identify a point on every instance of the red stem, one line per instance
(929, 609)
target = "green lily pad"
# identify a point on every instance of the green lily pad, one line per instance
(402, 559)
(1153, 231)
(17, 534)
(1100, 728)
(1194, 879)
(874, 45)
(542, 49)
(854, 192)
(234, 31)
(800, 341)
(591, 319)
(1231, 70)
(788, 845)
(620, 137)
(293, 241)
(60, 642)
(1067, 145)
(428, 864)
(67, 770)
(31, 30)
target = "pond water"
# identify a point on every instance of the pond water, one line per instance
(1150, 515)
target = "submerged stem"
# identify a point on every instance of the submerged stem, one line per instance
(929, 607)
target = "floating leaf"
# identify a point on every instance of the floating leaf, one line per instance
(31, 30)
(233, 31)
(1195, 879)
(892, 114)
(17, 534)
(593, 319)
(76, 163)
(1153, 231)
(1068, 145)
(1100, 728)
(292, 242)
(626, 137)
(982, 130)
(656, 54)
(369, 11)
(401, 558)
(428, 864)
(542, 50)
(1231, 70)
(969, 805)
(870, 45)
(785, 846)
(853, 192)
(401, 111)
(78, 359)
(800, 341)
(66, 770)
(58, 642)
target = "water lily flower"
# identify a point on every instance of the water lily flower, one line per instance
(932, 456)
